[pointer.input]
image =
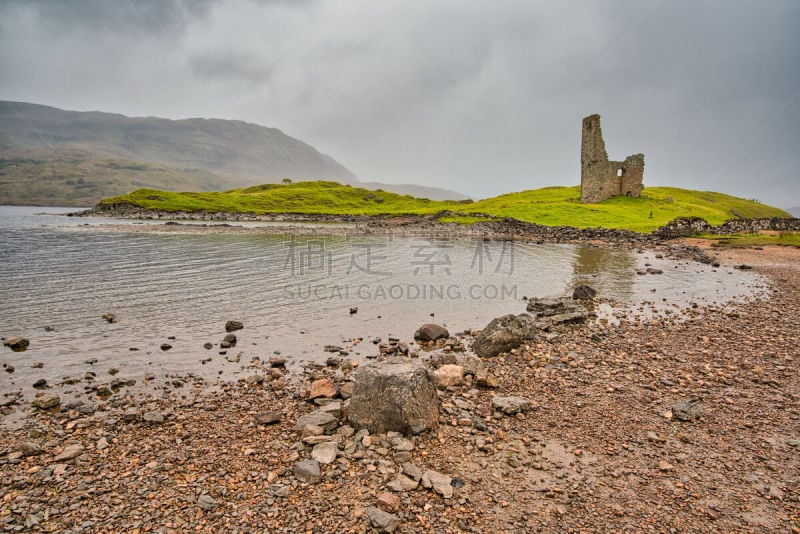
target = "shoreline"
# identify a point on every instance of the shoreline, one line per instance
(598, 450)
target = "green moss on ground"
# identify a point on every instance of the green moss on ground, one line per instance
(552, 206)
(788, 239)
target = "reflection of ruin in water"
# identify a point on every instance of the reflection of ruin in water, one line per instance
(611, 272)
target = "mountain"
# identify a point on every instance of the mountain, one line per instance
(795, 211)
(48, 150)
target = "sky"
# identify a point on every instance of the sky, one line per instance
(479, 97)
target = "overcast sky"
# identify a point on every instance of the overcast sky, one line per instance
(479, 97)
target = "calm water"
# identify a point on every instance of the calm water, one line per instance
(293, 294)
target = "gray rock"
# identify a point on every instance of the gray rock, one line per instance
(412, 471)
(510, 405)
(70, 451)
(45, 402)
(28, 448)
(154, 418)
(557, 311)
(207, 502)
(269, 418)
(307, 471)
(449, 375)
(33, 520)
(398, 397)
(325, 453)
(131, 415)
(317, 418)
(687, 410)
(584, 292)
(503, 334)
(431, 332)
(439, 482)
(403, 483)
(232, 326)
(382, 521)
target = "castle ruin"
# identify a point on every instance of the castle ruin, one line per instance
(601, 178)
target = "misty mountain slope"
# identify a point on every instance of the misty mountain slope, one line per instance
(233, 149)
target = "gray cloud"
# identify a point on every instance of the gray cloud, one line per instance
(475, 97)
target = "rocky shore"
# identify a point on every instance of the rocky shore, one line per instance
(543, 422)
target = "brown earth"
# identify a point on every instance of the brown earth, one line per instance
(598, 451)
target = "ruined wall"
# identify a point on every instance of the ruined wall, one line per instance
(601, 178)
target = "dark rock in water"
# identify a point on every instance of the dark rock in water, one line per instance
(49, 328)
(17, 344)
(743, 267)
(687, 410)
(353, 310)
(399, 397)
(37, 365)
(228, 341)
(503, 334)
(8, 368)
(208, 346)
(232, 326)
(41, 383)
(653, 270)
(584, 292)
(431, 332)
(166, 346)
(110, 317)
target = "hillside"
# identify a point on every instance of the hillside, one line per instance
(554, 206)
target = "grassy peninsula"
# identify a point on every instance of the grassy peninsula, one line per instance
(552, 206)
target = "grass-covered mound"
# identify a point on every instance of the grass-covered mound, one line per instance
(553, 206)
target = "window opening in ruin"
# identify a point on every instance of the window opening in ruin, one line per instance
(619, 172)
(628, 194)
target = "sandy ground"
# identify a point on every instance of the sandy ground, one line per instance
(599, 451)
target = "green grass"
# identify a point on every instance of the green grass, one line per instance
(552, 206)
(787, 239)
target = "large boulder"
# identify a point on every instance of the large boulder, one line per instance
(394, 396)
(584, 292)
(431, 332)
(503, 334)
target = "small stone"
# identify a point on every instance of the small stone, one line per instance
(208, 346)
(102, 444)
(28, 448)
(412, 471)
(131, 415)
(353, 310)
(317, 418)
(153, 418)
(110, 317)
(73, 450)
(322, 388)
(403, 483)
(510, 405)
(449, 375)
(388, 502)
(41, 383)
(46, 402)
(207, 502)
(232, 326)
(664, 465)
(325, 453)
(687, 410)
(440, 483)
(165, 346)
(17, 344)
(382, 521)
(269, 418)
(307, 471)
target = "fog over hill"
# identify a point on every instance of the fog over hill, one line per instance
(50, 156)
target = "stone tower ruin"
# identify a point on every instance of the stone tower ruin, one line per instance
(601, 178)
